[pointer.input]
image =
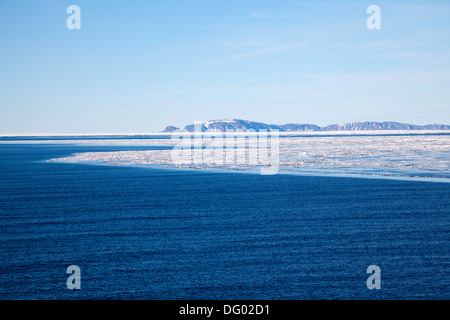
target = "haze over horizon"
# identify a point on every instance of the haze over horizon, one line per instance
(141, 66)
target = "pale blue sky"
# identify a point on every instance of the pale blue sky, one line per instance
(137, 66)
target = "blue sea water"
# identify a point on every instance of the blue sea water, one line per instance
(149, 233)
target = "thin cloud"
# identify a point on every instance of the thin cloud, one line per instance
(269, 15)
(265, 50)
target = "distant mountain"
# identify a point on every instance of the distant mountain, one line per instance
(386, 125)
(171, 129)
(245, 125)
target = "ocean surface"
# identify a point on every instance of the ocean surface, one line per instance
(154, 233)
